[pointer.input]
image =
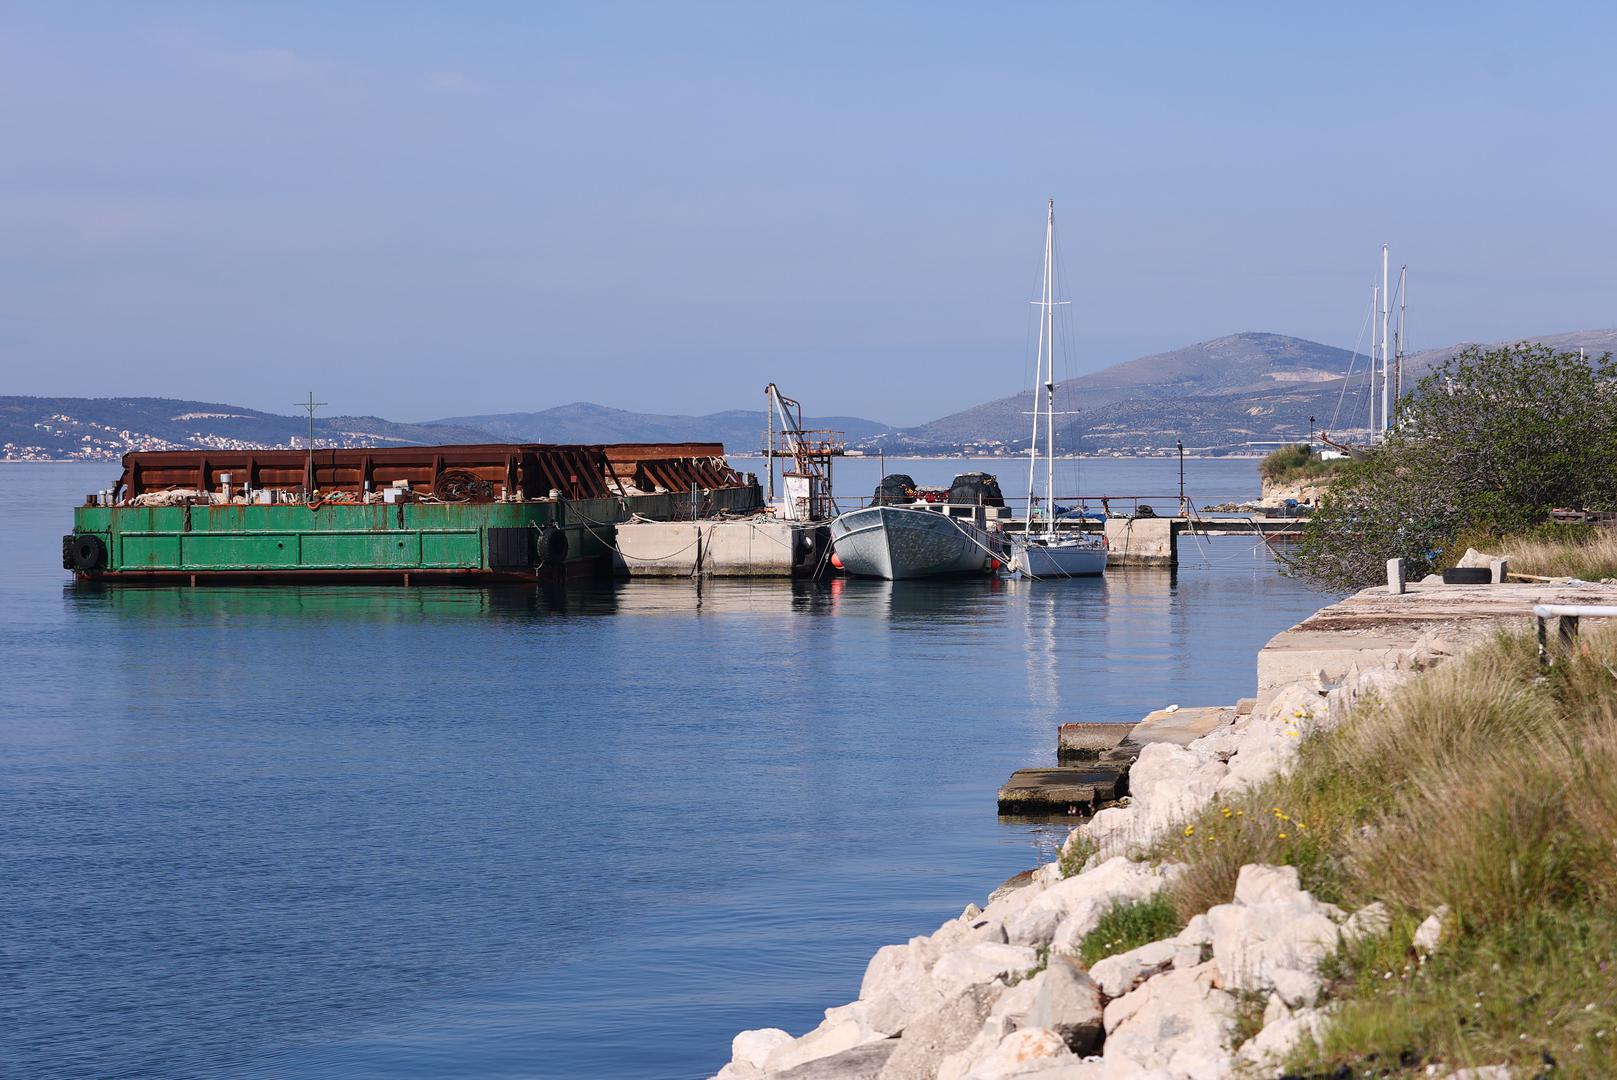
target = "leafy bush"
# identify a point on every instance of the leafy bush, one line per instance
(1490, 440)
(1295, 462)
(1129, 925)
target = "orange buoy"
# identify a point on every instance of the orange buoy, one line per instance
(835, 561)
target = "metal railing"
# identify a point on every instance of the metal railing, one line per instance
(1566, 630)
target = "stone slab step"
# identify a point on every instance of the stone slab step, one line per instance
(1181, 726)
(1086, 742)
(1065, 789)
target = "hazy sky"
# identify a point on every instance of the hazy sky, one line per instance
(422, 210)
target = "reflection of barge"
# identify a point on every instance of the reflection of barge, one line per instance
(427, 513)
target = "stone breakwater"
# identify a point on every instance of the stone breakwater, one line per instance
(999, 992)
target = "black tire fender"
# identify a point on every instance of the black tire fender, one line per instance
(87, 553)
(552, 546)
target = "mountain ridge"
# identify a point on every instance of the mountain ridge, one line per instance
(741, 430)
(1245, 390)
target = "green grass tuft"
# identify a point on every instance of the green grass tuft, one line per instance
(1128, 926)
(1074, 854)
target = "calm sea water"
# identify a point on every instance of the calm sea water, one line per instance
(382, 832)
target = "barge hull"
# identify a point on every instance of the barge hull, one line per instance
(429, 542)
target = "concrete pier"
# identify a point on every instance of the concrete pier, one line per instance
(1368, 628)
(745, 547)
(1142, 541)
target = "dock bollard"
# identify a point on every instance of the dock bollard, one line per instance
(1395, 576)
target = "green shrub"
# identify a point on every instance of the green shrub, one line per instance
(1491, 440)
(1295, 462)
(1129, 925)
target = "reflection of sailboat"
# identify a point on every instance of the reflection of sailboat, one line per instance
(1050, 553)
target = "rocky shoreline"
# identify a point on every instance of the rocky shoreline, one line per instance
(999, 991)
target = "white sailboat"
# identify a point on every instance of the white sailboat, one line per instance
(1050, 553)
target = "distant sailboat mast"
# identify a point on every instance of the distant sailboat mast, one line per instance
(1398, 353)
(1386, 362)
(1050, 369)
(1375, 349)
(1044, 377)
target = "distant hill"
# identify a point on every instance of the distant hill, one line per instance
(72, 427)
(740, 430)
(1228, 367)
(1223, 393)
(1227, 393)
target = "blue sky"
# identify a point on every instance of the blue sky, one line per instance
(423, 210)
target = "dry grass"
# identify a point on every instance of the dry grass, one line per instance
(1590, 557)
(1483, 786)
(1586, 552)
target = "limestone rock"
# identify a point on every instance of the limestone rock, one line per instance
(1012, 884)
(896, 964)
(1198, 931)
(979, 964)
(1429, 934)
(1026, 1050)
(1259, 884)
(1265, 1053)
(1297, 989)
(894, 1011)
(943, 1031)
(1117, 975)
(1179, 1021)
(831, 1039)
(1076, 904)
(752, 1047)
(1372, 920)
(1273, 925)
(864, 1062)
(1062, 998)
(738, 1071)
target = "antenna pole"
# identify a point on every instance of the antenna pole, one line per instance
(769, 437)
(1386, 384)
(308, 473)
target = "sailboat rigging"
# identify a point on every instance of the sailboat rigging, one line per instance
(1050, 553)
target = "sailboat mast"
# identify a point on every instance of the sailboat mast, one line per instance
(1386, 366)
(1398, 363)
(1050, 369)
(1375, 348)
(1038, 377)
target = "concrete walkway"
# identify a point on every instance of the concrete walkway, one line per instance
(1367, 627)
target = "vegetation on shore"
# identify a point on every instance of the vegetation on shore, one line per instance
(1128, 925)
(1484, 787)
(1490, 441)
(1557, 550)
(1295, 463)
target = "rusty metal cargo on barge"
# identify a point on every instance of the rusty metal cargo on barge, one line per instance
(447, 514)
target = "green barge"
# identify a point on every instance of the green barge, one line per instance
(450, 514)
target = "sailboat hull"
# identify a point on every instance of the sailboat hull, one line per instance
(897, 543)
(1058, 559)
